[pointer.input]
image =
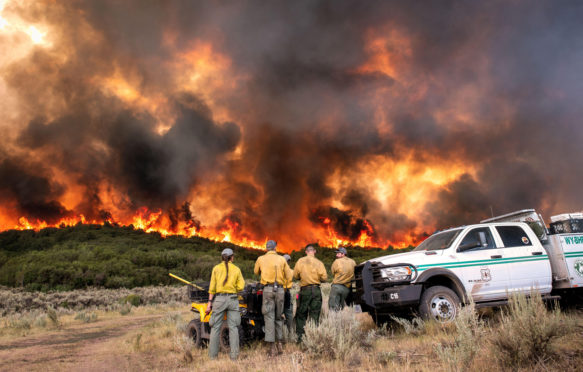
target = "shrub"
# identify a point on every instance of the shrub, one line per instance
(125, 309)
(132, 299)
(468, 337)
(18, 323)
(137, 344)
(13, 300)
(184, 344)
(41, 321)
(384, 357)
(85, 317)
(527, 331)
(53, 317)
(337, 336)
(325, 288)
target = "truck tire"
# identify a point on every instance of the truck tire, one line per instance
(193, 331)
(224, 337)
(439, 303)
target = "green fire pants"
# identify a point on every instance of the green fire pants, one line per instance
(338, 294)
(310, 306)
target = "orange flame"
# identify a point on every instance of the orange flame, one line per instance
(231, 231)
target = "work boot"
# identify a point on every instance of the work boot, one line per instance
(279, 348)
(272, 349)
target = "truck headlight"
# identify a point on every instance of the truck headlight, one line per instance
(396, 274)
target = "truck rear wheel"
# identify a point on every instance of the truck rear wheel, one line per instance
(439, 303)
(193, 331)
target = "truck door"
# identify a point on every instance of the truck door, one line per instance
(528, 262)
(480, 263)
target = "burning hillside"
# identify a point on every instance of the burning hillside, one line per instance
(368, 123)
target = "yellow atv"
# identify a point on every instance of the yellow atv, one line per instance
(199, 330)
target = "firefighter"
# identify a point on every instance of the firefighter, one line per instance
(311, 272)
(343, 271)
(288, 309)
(226, 281)
(272, 269)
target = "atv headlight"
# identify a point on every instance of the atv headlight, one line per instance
(397, 273)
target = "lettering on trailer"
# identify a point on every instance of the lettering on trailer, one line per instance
(574, 240)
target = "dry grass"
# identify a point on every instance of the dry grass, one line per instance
(339, 343)
(34, 322)
(415, 326)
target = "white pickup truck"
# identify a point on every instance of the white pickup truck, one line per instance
(482, 262)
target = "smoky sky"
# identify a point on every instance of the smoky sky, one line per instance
(305, 110)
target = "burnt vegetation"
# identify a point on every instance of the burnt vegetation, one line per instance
(114, 257)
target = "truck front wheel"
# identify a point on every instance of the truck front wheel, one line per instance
(439, 303)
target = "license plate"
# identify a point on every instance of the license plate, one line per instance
(387, 297)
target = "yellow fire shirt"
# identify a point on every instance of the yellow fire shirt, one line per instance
(235, 282)
(343, 271)
(310, 270)
(289, 274)
(271, 267)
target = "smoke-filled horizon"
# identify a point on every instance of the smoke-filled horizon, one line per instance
(341, 122)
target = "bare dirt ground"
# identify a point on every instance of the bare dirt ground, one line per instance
(86, 347)
(152, 338)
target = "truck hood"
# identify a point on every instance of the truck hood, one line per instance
(414, 258)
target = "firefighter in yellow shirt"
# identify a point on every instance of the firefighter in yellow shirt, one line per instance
(343, 271)
(272, 269)
(311, 272)
(226, 281)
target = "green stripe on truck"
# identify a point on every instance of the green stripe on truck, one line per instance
(499, 261)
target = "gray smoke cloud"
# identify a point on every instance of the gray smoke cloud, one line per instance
(306, 110)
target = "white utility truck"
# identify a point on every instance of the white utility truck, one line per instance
(484, 262)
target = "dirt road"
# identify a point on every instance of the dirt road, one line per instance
(79, 347)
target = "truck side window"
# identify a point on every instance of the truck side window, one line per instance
(513, 236)
(473, 238)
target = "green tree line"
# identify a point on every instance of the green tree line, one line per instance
(110, 256)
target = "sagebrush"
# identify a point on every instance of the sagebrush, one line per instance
(467, 340)
(337, 336)
(527, 331)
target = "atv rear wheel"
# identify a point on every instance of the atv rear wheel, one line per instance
(224, 337)
(193, 331)
(439, 303)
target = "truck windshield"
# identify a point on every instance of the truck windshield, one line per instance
(438, 241)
